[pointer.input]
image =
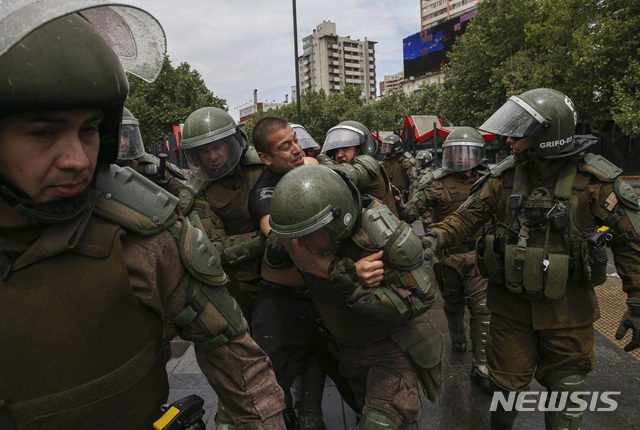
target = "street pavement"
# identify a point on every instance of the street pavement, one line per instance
(463, 405)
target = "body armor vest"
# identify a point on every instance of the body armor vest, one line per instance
(228, 198)
(78, 349)
(542, 244)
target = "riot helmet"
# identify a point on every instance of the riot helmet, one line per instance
(423, 158)
(213, 143)
(463, 149)
(309, 146)
(313, 209)
(61, 63)
(392, 144)
(347, 134)
(544, 114)
(131, 146)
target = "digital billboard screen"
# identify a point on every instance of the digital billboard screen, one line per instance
(426, 51)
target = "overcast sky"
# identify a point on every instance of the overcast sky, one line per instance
(242, 45)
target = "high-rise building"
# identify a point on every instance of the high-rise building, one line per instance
(391, 83)
(332, 62)
(435, 12)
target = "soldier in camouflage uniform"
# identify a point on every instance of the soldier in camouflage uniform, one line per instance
(131, 153)
(224, 169)
(554, 208)
(423, 162)
(440, 193)
(400, 166)
(378, 322)
(93, 257)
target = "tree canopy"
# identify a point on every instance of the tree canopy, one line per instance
(168, 100)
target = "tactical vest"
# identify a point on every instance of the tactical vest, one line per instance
(228, 198)
(79, 351)
(542, 244)
(396, 172)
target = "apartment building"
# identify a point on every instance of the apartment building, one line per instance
(435, 12)
(391, 83)
(331, 62)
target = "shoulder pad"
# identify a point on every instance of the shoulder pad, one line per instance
(369, 163)
(440, 173)
(504, 165)
(380, 229)
(425, 180)
(188, 193)
(152, 159)
(599, 167)
(251, 157)
(149, 208)
(626, 194)
(408, 156)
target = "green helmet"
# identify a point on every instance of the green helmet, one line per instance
(349, 133)
(392, 144)
(315, 208)
(213, 143)
(463, 149)
(423, 157)
(544, 114)
(131, 146)
(64, 64)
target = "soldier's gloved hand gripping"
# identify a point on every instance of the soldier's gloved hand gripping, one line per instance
(630, 320)
(432, 242)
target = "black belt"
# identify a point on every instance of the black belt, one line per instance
(460, 249)
(286, 289)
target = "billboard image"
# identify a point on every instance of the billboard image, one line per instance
(426, 51)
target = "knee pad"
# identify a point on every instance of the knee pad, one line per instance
(222, 419)
(378, 418)
(563, 419)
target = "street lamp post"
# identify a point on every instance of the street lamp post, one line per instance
(295, 48)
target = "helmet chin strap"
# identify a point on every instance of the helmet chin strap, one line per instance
(53, 211)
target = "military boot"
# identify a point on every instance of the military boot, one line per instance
(222, 419)
(312, 380)
(479, 321)
(455, 320)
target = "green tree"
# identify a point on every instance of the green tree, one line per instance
(168, 100)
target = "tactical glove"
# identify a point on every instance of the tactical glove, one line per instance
(432, 242)
(275, 255)
(630, 320)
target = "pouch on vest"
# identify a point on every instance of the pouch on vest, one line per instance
(538, 276)
(424, 345)
(594, 268)
(488, 260)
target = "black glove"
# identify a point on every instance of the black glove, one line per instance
(432, 242)
(275, 254)
(630, 320)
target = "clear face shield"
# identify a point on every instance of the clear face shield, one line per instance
(214, 159)
(515, 119)
(307, 142)
(460, 156)
(131, 146)
(313, 252)
(342, 137)
(135, 36)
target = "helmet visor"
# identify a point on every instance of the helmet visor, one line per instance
(135, 36)
(216, 158)
(515, 119)
(313, 252)
(342, 137)
(459, 157)
(306, 141)
(131, 146)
